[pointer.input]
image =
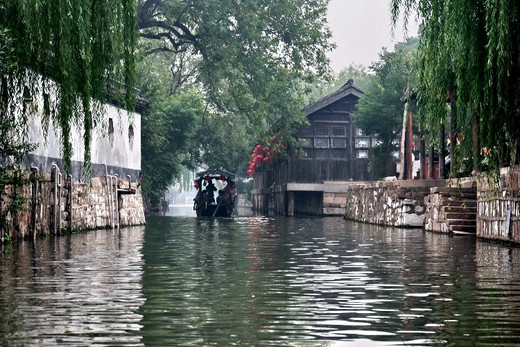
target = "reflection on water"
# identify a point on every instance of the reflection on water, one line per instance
(259, 281)
(81, 289)
(184, 210)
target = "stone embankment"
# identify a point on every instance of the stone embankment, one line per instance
(452, 209)
(481, 206)
(394, 203)
(54, 204)
(498, 209)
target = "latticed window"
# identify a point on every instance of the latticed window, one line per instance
(338, 131)
(321, 130)
(337, 154)
(322, 154)
(321, 142)
(339, 142)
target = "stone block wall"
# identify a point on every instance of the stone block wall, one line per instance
(435, 219)
(498, 207)
(90, 205)
(131, 210)
(395, 203)
(54, 205)
(334, 203)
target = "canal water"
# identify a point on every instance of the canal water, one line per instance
(257, 281)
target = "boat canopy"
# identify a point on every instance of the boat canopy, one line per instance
(214, 174)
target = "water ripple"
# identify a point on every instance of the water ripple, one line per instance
(260, 281)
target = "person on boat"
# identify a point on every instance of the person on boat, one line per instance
(198, 200)
(219, 197)
(210, 191)
(228, 192)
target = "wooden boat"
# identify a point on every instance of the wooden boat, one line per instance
(216, 193)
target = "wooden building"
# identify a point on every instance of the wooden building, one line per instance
(334, 151)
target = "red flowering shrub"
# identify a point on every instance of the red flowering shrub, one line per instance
(268, 154)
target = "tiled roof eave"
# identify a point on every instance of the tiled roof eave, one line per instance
(332, 98)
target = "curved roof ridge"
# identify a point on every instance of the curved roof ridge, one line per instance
(347, 89)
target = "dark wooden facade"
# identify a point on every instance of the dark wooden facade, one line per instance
(330, 152)
(334, 151)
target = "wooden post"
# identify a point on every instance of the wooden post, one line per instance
(453, 134)
(442, 153)
(402, 175)
(71, 219)
(351, 145)
(60, 176)
(34, 200)
(410, 146)
(55, 197)
(476, 144)
(290, 204)
(430, 159)
(422, 155)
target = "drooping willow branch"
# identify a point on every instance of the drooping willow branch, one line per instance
(80, 45)
(471, 48)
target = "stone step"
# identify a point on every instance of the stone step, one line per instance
(460, 209)
(469, 193)
(461, 215)
(452, 189)
(463, 228)
(460, 232)
(461, 203)
(461, 222)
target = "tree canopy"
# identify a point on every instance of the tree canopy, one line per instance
(249, 58)
(380, 110)
(361, 75)
(470, 55)
(249, 61)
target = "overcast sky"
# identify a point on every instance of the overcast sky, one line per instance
(360, 29)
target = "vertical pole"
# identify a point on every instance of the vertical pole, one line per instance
(54, 178)
(108, 182)
(422, 156)
(71, 219)
(34, 197)
(453, 134)
(410, 146)
(115, 222)
(430, 159)
(442, 153)
(290, 205)
(58, 209)
(402, 173)
(403, 135)
(476, 144)
(352, 152)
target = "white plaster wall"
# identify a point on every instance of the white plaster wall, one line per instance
(121, 152)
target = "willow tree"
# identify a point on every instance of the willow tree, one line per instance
(68, 53)
(470, 57)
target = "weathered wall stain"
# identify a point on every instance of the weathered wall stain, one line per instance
(394, 203)
(55, 204)
(498, 207)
